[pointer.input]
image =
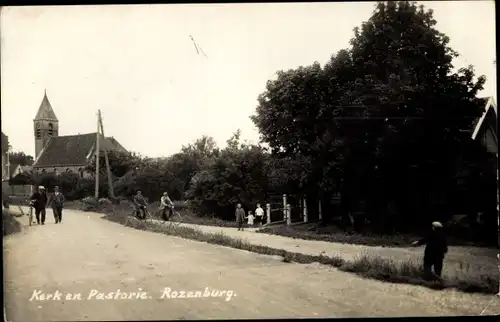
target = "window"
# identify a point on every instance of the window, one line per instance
(38, 132)
(51, 129)
(80, 171)
(43, 171)
(68, 170)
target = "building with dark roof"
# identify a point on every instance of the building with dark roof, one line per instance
(55, 153)
(485, 128)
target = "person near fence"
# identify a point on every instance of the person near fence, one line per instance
(56, 201)
(435, 249)
(240, 216)
(39, 201)
(166, 206)
(259, 215)
(140, 205)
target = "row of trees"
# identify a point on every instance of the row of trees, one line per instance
(386, 122)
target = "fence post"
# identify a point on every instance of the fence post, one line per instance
(268, 212)
(320, 215)
(284, 206)
(305, 210)
(288, 215)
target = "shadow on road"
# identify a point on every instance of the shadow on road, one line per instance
(10, 224)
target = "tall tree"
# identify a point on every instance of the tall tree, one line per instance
(20, 158)
(416, 111)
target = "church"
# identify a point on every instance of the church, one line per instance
(67, 153)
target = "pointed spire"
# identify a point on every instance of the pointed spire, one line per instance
(45, 111)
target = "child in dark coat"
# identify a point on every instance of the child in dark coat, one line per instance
(435, 249)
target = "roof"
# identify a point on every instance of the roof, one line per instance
(12, 169)
(23, 168)
(72, 150)
(5, 143)
(45, 111)
(490, 105)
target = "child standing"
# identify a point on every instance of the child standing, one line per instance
(250, 218)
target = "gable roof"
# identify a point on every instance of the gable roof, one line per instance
(72, 150)
(12, 169)
(489, 106)
(45, 111)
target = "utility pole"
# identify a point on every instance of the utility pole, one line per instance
(97, 148)
(498, 193)
(108, 168)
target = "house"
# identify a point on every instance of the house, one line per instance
(486, 127)
(55, 153)
(16, 169)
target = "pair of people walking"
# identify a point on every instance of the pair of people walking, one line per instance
(40, 201)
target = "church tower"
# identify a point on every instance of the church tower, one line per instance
(45, 124)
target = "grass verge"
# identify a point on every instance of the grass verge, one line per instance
(464, 277)
(188, 217)
(333, 234)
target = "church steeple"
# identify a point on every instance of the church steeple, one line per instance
(46, 125)
(45, 111)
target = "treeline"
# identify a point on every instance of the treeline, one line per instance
(386, 123)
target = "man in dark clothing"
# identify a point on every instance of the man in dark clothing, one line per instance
(39, 200)
(57, 201)
(435, 249)
(140, 205)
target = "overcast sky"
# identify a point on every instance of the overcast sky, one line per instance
(138, 65)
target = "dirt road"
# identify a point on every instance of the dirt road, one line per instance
(86, 255)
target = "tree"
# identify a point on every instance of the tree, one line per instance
(236, 175)
(416, 110)
(120, 163)
(388, 112)
(20, 158)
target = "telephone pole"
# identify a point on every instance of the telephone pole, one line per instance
(100, 132)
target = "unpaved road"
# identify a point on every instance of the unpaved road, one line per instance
(87, 253)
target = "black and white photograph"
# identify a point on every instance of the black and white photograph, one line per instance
(225, 161)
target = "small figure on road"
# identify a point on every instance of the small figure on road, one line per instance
(166, 206)
(259, 215)
(435, 250)
(57, 202)
(250, 218)
(240, 216)
(39, 201)
(140, 205)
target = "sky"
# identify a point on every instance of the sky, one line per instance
(137, 64)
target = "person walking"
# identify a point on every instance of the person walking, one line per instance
(56, 201)
(240, 216)
(39, 201)
(250, 219)
(435, 249)
(259, 215)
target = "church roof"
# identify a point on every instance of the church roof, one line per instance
(45, 111)
(72, 150)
